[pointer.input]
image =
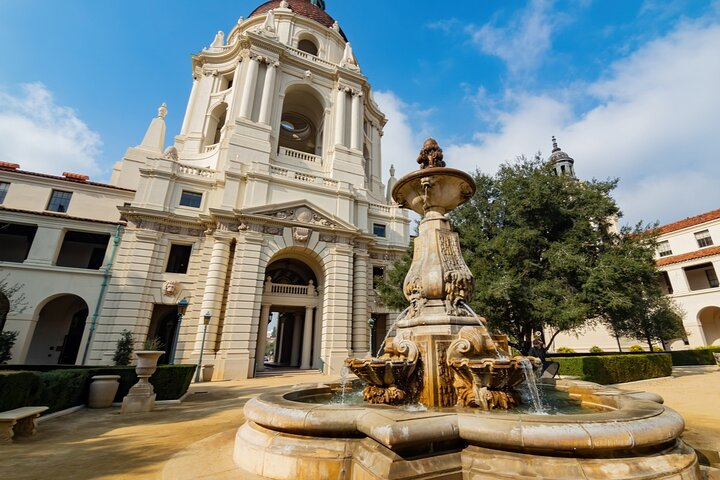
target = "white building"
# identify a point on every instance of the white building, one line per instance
(270, 200)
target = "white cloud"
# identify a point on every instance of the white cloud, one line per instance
(523, 41)
(45, 137)
(399, 144)
(655, 125)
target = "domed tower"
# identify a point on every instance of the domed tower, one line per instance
(269, 204)
(561, 161)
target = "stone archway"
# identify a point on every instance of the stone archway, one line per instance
(289, 318)
(709, 319)
(59, 330)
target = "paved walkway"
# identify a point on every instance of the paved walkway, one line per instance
(102, 444)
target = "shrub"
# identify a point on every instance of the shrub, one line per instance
(636, 349)
(154, 344)
(68, 387)
(608, 369)
(596, 349)
(565, 350)
(124, 349)
(7, 340)
(658, 349)
(696, 356)
(17, 389)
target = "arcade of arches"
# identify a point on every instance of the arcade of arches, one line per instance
(58, 332)
(709, 318)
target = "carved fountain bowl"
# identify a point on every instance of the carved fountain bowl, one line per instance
(447, 189)
(379, 372)
(495, 373)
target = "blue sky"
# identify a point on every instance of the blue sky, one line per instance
(629, 87)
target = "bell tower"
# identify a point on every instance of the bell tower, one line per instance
(561, 161)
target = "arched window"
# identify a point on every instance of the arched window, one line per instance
(301, 124)
(308, 46)
(215, 124)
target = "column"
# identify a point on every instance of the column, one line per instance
(279, 339)
(307, 339)
(360, 301)
(213, 294)
(356, 123)
(248, 92)
(297, 337)
(236, 96)
(45, 246)
(268, 93)
(190, 106)
(340, 118)
(262, 338)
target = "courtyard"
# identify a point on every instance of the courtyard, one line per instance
(102, 444)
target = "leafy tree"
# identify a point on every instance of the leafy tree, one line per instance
(390, 287)
(532, 239)
(124, 348)
(12, 299)
(7, 340)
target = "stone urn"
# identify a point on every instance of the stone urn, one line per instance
(141, 397)
(207, 373)
(717, 358)
(102, 391)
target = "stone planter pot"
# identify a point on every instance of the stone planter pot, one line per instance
(141, 397)
(102, 391)
(717, 358)
(207, 373)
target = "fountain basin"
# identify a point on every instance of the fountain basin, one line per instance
(378, 440)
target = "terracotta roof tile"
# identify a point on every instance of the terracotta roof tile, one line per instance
(73, 178)
(689, 222)
(300, 7)
(684, 257)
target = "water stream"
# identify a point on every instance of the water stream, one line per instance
(344, 373)
(390, 330)
(531, 388)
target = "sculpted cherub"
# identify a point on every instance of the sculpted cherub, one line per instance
(431, 155)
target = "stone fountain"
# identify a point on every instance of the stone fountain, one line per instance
(441, 401)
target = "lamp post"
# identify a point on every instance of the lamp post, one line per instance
(182, 306)
(206, 321)
(371, 324)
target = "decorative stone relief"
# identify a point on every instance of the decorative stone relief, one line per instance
(457, 277)
(301, 234)
(302, 215)
(160, 227)
(171, 153)
(171, 289)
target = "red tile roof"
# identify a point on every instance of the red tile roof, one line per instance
(689, 222)
(60, 215)
(300, 7)
(72, 177)
(684, 257)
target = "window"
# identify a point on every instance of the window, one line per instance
(663, 248)
(16, 241)
(379, 230)
(179, 258)
(703, 239)
(701, 276)
(59, 201)
(83, 250)
(378, 274)
(3, 190)
(308, 46)
(191, 199)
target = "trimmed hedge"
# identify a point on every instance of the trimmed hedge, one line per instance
(68, 387)
(696, 356)
(609, 369)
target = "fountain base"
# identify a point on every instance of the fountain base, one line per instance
(630, 437)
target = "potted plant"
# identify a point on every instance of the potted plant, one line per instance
(147, 358)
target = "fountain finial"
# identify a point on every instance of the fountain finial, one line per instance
(431, 155)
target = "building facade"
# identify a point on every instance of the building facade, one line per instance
(268, 204)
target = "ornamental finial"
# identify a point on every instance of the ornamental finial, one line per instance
(162, 110)
(555, 145)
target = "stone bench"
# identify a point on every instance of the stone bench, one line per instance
(21, 421)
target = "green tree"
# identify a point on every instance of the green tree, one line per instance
(12, 299)
(124, 348)
(532, 239)
(390, 286)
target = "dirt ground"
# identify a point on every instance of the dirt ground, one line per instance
(103, 444)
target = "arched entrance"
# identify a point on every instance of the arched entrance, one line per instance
(709, 319)
(289, 332)
(58, 332)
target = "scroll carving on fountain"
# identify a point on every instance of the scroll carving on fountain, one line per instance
(390, 379)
